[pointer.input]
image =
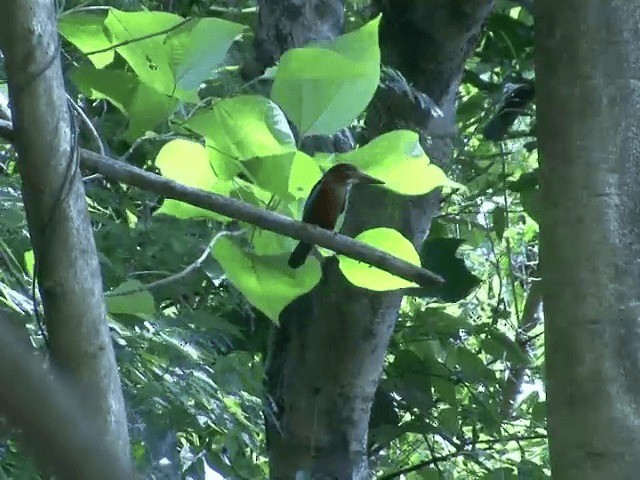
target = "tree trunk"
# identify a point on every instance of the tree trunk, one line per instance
(327, 356)
(588, 63)
(66, 258)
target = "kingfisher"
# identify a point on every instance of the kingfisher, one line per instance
(327, 202)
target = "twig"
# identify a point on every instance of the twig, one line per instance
(180, 275)
(83, 116)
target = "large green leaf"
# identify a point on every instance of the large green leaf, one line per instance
(145, 107)
(366, 276)
(241, 128)
(187, 162)
(398, 159)
(324, 87)
(267, 282)
(197, 47)
(86, 31)
(138, 303)
(148, 57)
(289, 175)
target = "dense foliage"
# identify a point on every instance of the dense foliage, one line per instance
(192, 295)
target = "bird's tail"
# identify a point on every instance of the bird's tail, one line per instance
(299, 254)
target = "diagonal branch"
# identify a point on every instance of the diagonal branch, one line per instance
(125, 173)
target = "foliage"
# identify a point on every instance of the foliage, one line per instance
(190, 309)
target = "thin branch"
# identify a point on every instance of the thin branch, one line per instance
(424, 464)
(272, 221)
(92, 130)
(229, 207)
(531, 318)
(181, 274)
(460, 451)
(139, 39)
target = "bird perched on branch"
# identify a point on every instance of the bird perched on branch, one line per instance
(327, 202)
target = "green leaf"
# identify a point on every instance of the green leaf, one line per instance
(87, 32)
(498, 345)
(139, 303)
(145, 107)
(527, 470)
(448, 420)
(289, 175)
(240, 128)
(472, 367)
(411, 379)
(197, 47)
(267, 282)
(29, 262)
(539, 413)
(265, 242)
(366, 276)
(445, 389)
(324, 87)
(398, 159)
(187, 162)
(437, 320)
(148, 57)
(503, 473)
(530, 200)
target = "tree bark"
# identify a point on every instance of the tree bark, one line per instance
(587, 64)
(327, 356)
(50, 414)
(58, 220)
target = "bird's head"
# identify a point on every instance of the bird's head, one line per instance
(345, 173)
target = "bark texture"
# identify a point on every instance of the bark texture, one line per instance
(327, 357)
(50, 415)
(588, 63)
(67, 263)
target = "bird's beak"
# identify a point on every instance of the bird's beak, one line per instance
(364, 178)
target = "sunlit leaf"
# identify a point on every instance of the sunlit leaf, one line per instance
(187, 162)
(267, 282)
(240, 128)
(148, 57)
(197, 47)
(86, 31)
(323, 87)
(289, 175)
(145, 107)
(398, 159)
(372, 278)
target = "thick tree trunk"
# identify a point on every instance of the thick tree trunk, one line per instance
(66, 258)
(588, 63)
(327, 356)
